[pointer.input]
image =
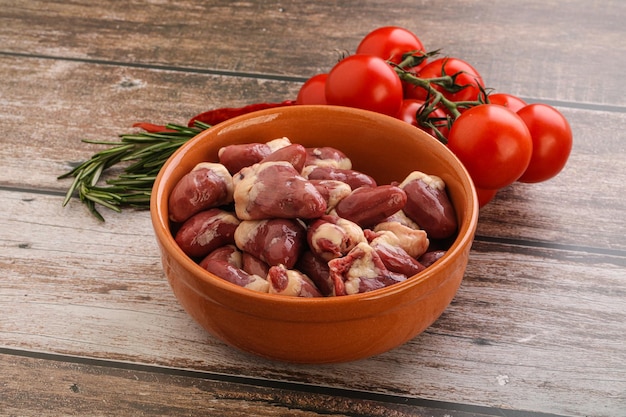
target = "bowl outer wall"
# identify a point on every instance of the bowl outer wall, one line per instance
(381, 146)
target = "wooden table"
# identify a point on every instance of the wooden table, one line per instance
(88, 323)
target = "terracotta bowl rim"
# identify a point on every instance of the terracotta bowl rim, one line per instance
(163, 233)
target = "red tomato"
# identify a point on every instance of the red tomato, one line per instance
(313, 90)
(408, 113)
(390, 43)
(513, 103)
(493, 143)
(552, 141)
(485, 196)
(468, 76)
(366, 82)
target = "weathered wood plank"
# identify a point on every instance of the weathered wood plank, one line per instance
(49, 106)
(76, 387)
(525, 317)
(46, 126)
(531, 49)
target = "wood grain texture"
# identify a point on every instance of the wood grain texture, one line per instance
(536, 327)
(525, 318)
(45, 141)
(58, 103)
(78, 389)
(513, 44)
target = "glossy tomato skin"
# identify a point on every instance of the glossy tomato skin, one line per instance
(313, 91)
(485, 196)
(493, 143)
(468, 77)
(552, 141)
(408, 111)
(509, 101)
(365, 82)
(390, 43)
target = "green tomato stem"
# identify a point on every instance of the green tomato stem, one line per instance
(436, 96)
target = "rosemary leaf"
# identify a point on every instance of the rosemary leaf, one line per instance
(140, 157)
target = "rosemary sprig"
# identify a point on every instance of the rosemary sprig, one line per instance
(141, 154)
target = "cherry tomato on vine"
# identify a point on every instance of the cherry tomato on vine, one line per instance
(467, 76)
(510, 101)
(408, 112)
(313, 90)
(365, 82)
(552, 141)
(411, 91)
(390, 43)
(485, 196)
(493, 143)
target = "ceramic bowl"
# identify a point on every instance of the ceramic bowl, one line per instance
(332, 329)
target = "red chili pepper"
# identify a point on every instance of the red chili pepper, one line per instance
(213, 117)
(152, 128)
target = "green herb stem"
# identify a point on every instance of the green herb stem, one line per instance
(143, 154)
